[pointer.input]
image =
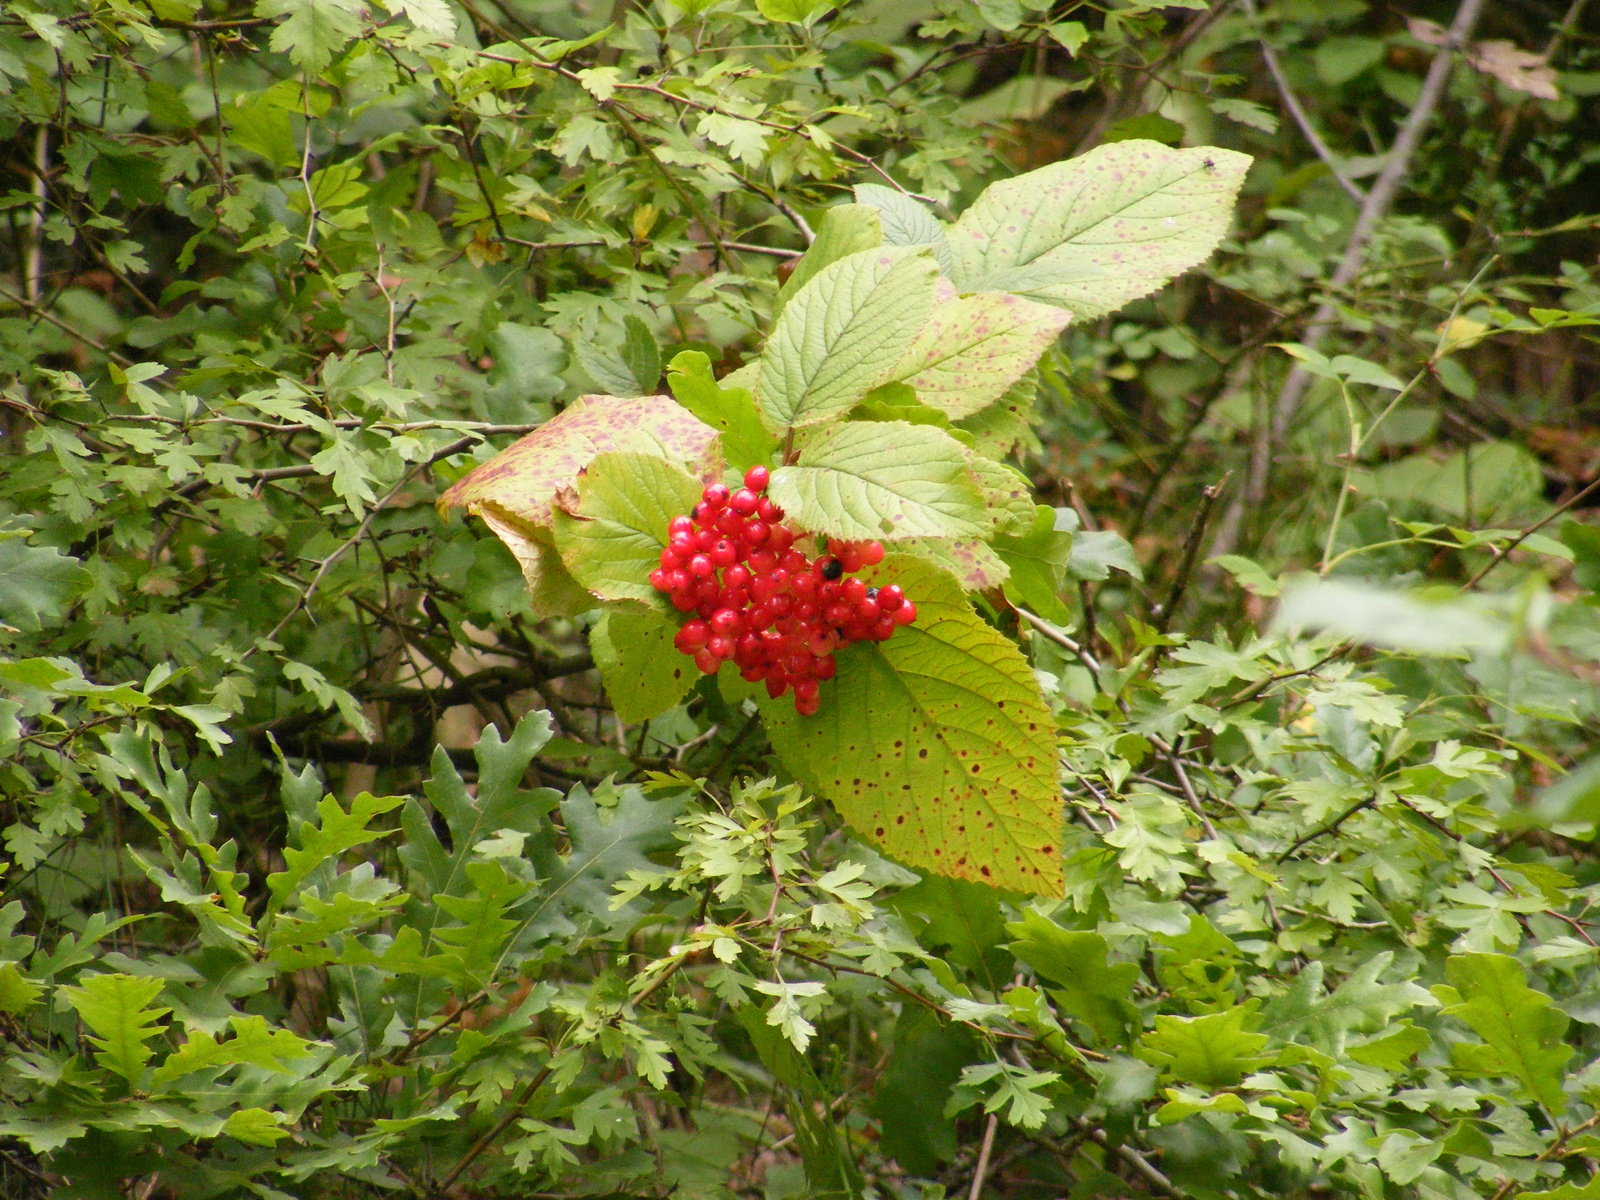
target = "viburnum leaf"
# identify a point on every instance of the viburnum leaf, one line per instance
(973, 349)
(731, 411)
(1094, 232)
(1214, 1050)
(882, 479)
(905, 222)
(1001, 427)
(843, 334)
(973, 563)
(844, 229)
(514, 492)
(936, 745)
(1522, 1030)
(613, 536)
(644, 673)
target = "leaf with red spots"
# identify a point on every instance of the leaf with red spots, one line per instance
(973, 349)
(1092, 233)
(514, 491)
(936, 745)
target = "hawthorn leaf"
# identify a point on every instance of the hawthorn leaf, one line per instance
(844, 229)
(1522, 1029)
(37, 583)
(315, 30)
(643, 672)
(614, 536)
(731, 411)
(843, 334)
(936, 745)
(116, 1008)
(1088, 987)
(882, 479)
(1214, 1050)
(1092, 233)
(1038, 565)
(974, 348)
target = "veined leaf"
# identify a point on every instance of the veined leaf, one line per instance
(905, 222)
(116, 1008)
(1522, 1029)
(731, 411)
(973, 349)
(613, 537)
(1215, 1050)
(844, 229)
(973, 563)
(514, 492)
(1089, 988)
(1038, 564)
(843, 334)
(315, 31)
(1094, 232)
(644, 673)
(335, 832)
(254, 1043)
(936, 744)
(882, 479)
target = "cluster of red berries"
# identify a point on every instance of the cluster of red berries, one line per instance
(759, 601)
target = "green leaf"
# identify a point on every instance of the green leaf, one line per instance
(910, 1096)
(1152, 126)
(731, 411)
(476, 937)
(528, 362)
(1213, 1051)
(974, 348)
(17, 991)
(613, 537)
(1584, 542)
(904, 221)
(254, 1044)
(1378, 616)
(256, 1126)
(1038, 561)
(1095, 552)
(644, 673)
(936, 744)
(335, 832)
(1094, 232)
(1090, 989)
(1522, 1029)
(1252, 576)
(882, 479)
(116, 1008)
(843, 334)
(641, 354)
(37, 584)
(790, 12)
(315, 30)
(844, 229)
(964, 921)
(514, 492)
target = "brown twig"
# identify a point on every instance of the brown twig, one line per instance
(1191, 549)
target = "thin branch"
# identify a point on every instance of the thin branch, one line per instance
(488, 1139)
(1501, 555)
(1330, 827)
(1191, 548)
(984, 1150)
(1269, 55)
(49, 317)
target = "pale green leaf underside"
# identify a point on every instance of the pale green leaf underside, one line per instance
(644, 673)
(975, 347)
(882, 479)
(613, 540)
(936, 744)
(1094, 232)
(843, 334)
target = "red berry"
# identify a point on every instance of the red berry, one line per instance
(701, 567)
(706, 609)
(682, 601)
(734, 598)
(748, 648)
(780, 537)
(730, 524)
(727, 622)
(755, 533)
(852, 558)
(768, 511)
(658, 580)
(763, 587)
(737, 576)
(703, 541)
(763, 562)
(751, 674)
(680, 525)
(706, 660)
(744, 502)
(867, 610)
(707, 590)
(678, 580)
(695, 634)
(756, 478)
(758, 616)
(890, 598)
(853, 591)
(715, 495)
(823, 644)
(723, 554)
(777, 685)
(883, 629)
(872, 554)
(805, 688)
(781, 604)
(824, 668)
(905, 614)
(722, 646)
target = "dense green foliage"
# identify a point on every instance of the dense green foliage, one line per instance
(335, 864)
